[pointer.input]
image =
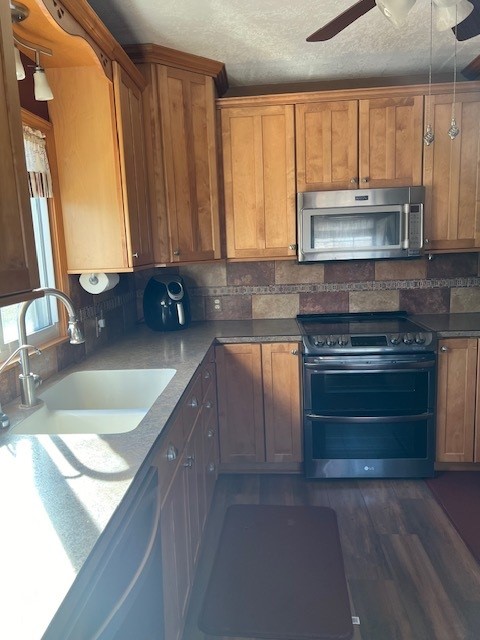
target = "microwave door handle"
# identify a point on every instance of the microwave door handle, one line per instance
(406, 223)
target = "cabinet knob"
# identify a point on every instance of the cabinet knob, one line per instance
(208, 404)
(135, 255)
(172, 453)
(206, 375)
(210, 433)
(443, 349)
(176, 252)
(353, 181)
(189, 462)
(292, 247)
(211, 467)
(427, 241)
(294, 352)
(193, 403)
(365, 179)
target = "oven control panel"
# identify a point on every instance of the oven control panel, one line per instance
(363, 343)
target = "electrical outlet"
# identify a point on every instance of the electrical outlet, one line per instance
(217, 304)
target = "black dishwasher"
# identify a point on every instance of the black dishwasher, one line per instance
(118, 594)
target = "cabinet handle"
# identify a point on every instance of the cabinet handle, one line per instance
(208, 404)
(210, 433)
(353, 181)
(188, 464)
(292, 247)
(135, 255)
(193, 403)
(176, 252)
(443, 349)
(294, 352)
(365, 179)
(172, 453)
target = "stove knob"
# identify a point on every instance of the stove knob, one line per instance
(342, 341)
(408, 338)
(331, 341)
(420, 338)
(318, 341)
(395, 338)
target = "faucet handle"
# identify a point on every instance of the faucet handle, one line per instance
(37, 380)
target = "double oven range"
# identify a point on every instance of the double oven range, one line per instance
(368, 396)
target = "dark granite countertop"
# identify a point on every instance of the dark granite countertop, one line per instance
(59, 492)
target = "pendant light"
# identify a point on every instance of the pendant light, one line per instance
(454, 130)
(395, 10)
(41, 87)
(429, 135)
(19, 68)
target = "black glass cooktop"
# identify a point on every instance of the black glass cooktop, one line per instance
(356, 323)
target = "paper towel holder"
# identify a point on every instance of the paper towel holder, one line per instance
(98, 282)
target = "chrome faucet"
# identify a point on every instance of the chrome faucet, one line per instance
(4, 419)
(30, 381)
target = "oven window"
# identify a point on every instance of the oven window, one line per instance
(374, 441)
(368, 393)
(379, 230)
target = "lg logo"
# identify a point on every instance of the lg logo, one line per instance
(369, 468)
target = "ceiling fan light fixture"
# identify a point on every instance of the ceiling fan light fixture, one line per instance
(446, 17)
(395, 10)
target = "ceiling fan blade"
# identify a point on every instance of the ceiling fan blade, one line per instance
(472, 70)
(342, 21)
(470, 27)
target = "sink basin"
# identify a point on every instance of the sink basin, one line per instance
(101, 402)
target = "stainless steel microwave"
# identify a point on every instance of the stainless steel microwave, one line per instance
(360, 224)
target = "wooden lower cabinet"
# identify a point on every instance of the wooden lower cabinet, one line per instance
(259, 409)
(457, 401)
(187, 462)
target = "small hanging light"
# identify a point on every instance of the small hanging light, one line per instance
(429, 135)
(454, 130)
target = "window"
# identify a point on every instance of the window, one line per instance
(42, 319)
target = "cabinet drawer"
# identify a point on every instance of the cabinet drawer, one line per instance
(170, 453)
(208, 376)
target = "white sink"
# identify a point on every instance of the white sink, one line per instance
(101, 402)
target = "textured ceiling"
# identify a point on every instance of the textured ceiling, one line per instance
(263, 41)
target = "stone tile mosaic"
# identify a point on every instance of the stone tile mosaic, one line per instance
(210, 274)
(465, 300)
(323, 302)
(401, 269)
(276, 306)
(456, 265)
(289, 272)
(425, 300)
(352, 271)
(374, 301)
(251, 273)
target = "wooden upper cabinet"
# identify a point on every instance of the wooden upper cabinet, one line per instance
(391, 142)
(456, 390)
(452, 175)
(259, 179)
(129, 116)
(18, 265)
(327, 145)
(351, 144)
(187, 104)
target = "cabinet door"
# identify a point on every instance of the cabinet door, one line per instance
(457, 380)
(259, 178)
(18, 265)
(327, 145)
(190, 162)
(391, 142)
(452, 175)
(240, 403)
(128, 105)
(175, 555)
(281, 388)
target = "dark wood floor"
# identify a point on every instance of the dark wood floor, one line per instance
(409, 574)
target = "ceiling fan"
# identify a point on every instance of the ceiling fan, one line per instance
(396, 11)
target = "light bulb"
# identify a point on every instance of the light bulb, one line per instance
(42, 89)
(19, 68)
(448, 17)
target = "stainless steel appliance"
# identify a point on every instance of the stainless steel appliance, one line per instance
(166, 305)
(368, 395)
(360, 224)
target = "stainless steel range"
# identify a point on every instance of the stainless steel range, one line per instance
(369, 396)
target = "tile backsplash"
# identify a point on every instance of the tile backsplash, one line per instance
(282, 289)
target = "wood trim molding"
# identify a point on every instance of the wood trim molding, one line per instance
(327, 92)
(158, 54)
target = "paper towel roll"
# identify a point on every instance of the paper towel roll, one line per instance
(98, 282)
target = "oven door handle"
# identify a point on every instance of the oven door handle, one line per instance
(362, 419)
(371, 367)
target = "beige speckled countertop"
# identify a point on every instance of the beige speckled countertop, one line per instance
(58, 493)
(453, 325)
